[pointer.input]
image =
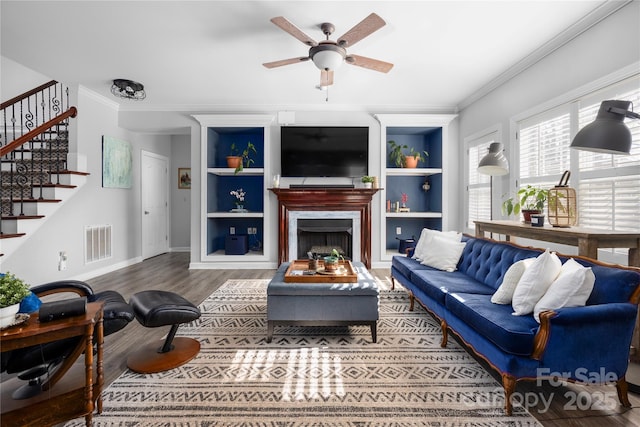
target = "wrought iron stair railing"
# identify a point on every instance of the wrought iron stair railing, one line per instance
(34, 143)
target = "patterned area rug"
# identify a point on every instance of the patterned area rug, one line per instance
(311, 376)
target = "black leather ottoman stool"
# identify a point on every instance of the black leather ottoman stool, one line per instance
(161, 308)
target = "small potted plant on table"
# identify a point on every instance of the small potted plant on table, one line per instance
(529, 200)
(12, 292)
(331, 262)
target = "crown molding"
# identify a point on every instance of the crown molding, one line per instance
(83, 90)
(595, 16)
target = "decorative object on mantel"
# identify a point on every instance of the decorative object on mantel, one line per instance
(368, 181)
(12, 292)
(529, 200)
(239, 160)
(128, 89)
(239, 200)
(563, 204)
(402, 160)
(607, 133)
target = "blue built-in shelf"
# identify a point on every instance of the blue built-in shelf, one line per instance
(422, 132)
(220, 216)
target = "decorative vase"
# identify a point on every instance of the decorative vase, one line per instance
(8, 315)
(234, 161)
(239, 207)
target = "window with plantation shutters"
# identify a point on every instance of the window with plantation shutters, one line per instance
(608, 186)
(609, 189)
(478, 185)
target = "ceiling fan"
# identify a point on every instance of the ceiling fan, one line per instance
(328, 55)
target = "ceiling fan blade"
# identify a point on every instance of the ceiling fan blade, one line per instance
(282, 62)
(326, 78)
(367, 26)
(296, 32)
(370, 63)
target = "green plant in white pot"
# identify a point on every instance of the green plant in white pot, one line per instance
(12, 292)
(368, 181)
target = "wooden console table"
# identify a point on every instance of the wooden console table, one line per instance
(70, 397)
(588, 240)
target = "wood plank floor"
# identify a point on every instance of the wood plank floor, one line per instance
(170, 272)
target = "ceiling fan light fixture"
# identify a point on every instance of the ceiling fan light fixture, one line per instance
(327, 56)
(128, 89)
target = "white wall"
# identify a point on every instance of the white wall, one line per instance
(16, 79)
(608, 47)
(180, 198)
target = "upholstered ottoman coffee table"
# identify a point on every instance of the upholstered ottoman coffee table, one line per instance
(323, 304)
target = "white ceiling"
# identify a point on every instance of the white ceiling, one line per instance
(208, 55)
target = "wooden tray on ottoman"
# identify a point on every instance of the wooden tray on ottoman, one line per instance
(298, 272)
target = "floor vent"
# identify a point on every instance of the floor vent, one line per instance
(97, 243)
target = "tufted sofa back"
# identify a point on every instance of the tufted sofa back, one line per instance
(487, 261)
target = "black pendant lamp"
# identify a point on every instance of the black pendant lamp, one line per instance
(607, 133)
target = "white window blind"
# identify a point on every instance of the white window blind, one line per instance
(544, 149)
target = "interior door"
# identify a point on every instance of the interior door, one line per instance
(155, 206)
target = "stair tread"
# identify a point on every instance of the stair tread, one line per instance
(9, 236)
(32, 200)
(9, 217)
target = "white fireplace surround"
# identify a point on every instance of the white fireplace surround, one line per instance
(294, 216)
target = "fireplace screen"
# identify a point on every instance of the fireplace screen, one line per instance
(320, 236)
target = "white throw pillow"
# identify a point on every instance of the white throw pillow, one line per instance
(444, 253)
(572, 288)
(427, 235)
(504, 293)
(534, 282)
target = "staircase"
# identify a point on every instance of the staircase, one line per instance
(34, 145)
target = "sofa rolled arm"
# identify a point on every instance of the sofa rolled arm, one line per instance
(59, 286)
(581, 338)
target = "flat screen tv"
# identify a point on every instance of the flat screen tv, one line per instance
(324, 151)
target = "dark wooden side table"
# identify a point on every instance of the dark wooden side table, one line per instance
(75, 394)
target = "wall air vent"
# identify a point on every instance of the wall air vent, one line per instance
(97, 243)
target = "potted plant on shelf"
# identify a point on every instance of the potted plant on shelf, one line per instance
(529, 200)
(402, 160)
(12, 292)
(332, 260)
(368, 181)
(239, 160)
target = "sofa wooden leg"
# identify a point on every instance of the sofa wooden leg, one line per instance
(445, 333)
(509, 384)
(393, 283)
(412, 301)
(623, 392)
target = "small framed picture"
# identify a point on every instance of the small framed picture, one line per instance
(184, 178)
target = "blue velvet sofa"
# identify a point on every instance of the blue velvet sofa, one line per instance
(576, 344)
